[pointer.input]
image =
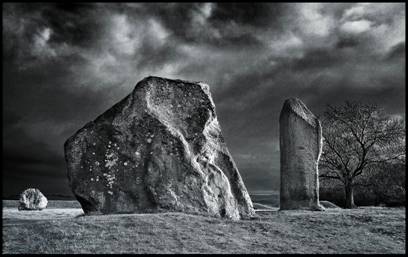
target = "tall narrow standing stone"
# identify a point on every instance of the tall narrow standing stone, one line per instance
(300, 149)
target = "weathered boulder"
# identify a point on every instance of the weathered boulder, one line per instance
(300, 149)
(158, 149)
(32, 199)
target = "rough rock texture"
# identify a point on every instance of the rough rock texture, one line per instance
(158, 149)
(300, 149)
(32, 199)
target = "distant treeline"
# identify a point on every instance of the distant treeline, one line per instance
(382, 186)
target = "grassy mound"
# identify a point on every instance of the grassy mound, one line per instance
(363, 230)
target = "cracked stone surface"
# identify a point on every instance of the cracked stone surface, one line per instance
(159, 149)
(300, 150)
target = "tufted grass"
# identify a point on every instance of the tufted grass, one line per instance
(65, 230)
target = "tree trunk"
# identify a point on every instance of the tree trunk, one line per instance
(349, 196)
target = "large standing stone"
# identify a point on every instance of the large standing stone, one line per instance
(158, 149)
(32, 199)
(300, 149)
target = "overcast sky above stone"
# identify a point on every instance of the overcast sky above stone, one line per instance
(64, 65)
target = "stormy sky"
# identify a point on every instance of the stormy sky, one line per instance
(63, 65)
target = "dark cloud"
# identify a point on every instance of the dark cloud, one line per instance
(396, 53)
(219, 24)
(254, 14)
(64, 64)
(347, 42)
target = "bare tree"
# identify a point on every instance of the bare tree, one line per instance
(356, 136)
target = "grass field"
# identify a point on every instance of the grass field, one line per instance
(51, 204)
(66, 230)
